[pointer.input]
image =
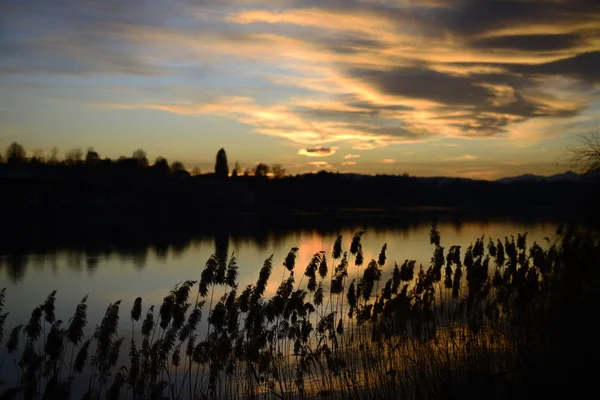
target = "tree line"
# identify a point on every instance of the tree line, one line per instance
(15, 154)
(116, 188)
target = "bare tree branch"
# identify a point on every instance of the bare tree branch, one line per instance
(586, 155)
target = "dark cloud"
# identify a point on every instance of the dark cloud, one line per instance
(351, 45)
(395, 129)
(583, 66)
(324, 113)
(421, 83)
(317, 152)
(78, 37)
(367, 105)
(351, 110)
(470, 18)
(480, 104)
(528, 42)
(467, 17)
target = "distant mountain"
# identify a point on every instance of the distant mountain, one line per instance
(428, 180)
(568, 176)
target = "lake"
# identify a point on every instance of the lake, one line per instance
(130, 268)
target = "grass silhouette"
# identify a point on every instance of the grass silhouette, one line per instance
(499, 319)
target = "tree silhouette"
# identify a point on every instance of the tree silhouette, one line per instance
(15, 153)
(237, 170)
(37, 157)
(74, 156)
(140, 156)
(196, 171)
(261, 170)
(221, 166)
(278, 171)
(91, 157)
(53, 159)
(586, 156)
(177, 166)
(161, 164)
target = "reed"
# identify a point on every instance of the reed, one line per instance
(498, 319)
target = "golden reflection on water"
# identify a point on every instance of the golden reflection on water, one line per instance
(152, 272)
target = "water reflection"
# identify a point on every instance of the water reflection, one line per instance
(149, 265)
(85, 250)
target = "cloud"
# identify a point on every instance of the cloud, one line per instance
(581, 66)
(77, 38)
(474, 105)
(282, 121)
(388, 161)
(349, 156)
(367, 74)
(343, 19)
(465, 157)
(347, 163)
(317, 152)
(421, 83)
(320, 164)
(539, 42)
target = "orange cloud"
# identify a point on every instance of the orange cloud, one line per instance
(349, 163)
(388, 161)
(320, 164)
(378, 41)
(333, 50)
(465, 157)
(320, 18)
(280, 121)
(349, 156)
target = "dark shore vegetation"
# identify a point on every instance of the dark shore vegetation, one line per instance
(502, 318)
(86, 184)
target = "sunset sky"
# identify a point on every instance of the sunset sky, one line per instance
(481, 89)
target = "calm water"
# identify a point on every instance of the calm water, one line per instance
(151, 271)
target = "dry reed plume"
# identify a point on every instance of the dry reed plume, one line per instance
(491, 320)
